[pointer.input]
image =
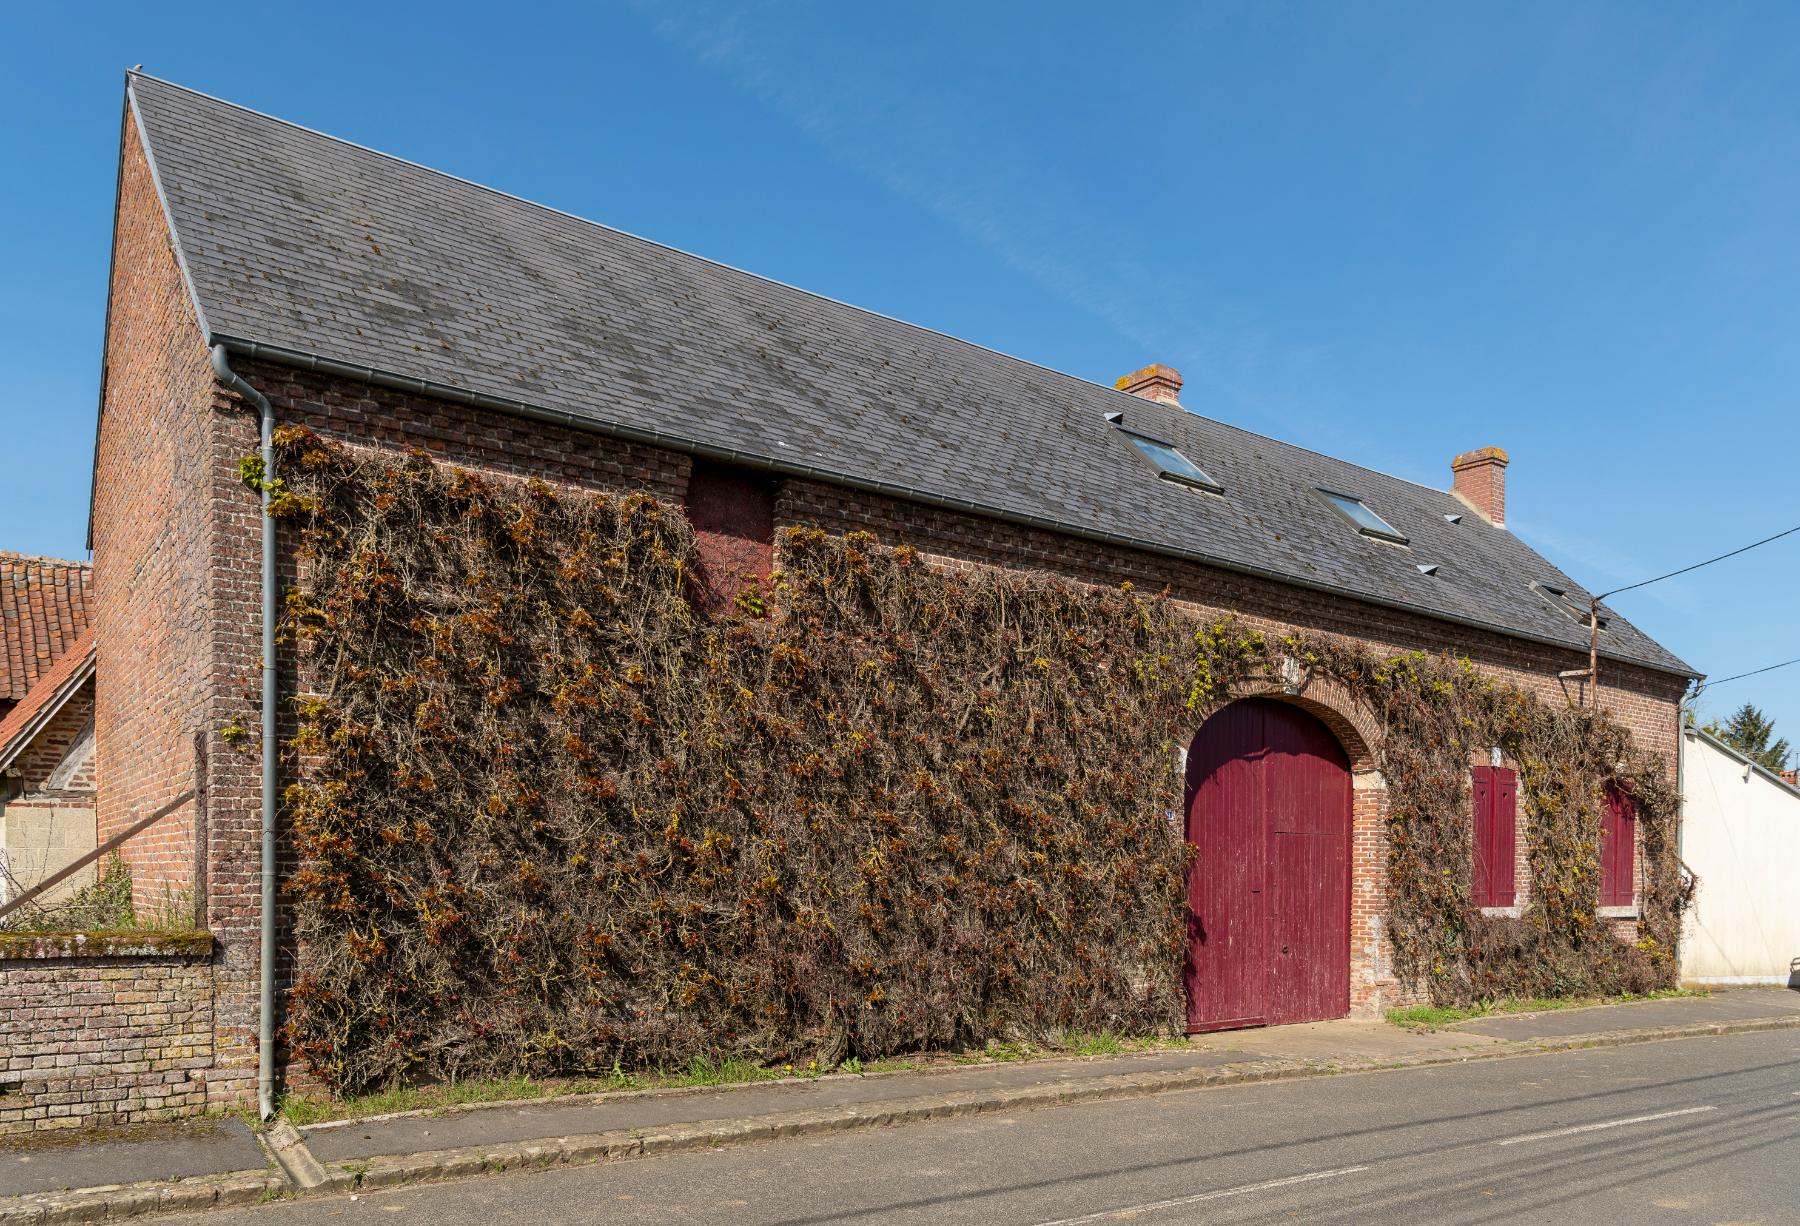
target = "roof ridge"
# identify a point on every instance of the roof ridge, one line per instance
(708, 260)
(12, 555)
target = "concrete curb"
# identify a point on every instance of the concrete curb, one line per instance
(431, 1165)
(111, 1203)
(251, 1187)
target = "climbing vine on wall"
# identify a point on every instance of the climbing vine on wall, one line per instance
(549, 818)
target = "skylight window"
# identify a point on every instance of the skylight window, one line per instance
(1575, 608)
(1171, 465)
(1358, 513)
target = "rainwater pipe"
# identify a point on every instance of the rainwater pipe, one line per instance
(265, 1014)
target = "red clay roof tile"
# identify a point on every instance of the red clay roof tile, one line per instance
(43, 609)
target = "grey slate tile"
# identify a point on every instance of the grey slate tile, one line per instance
(297, 240)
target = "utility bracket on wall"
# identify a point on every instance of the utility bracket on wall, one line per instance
(1580, 695)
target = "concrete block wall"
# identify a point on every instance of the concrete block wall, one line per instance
(42, 835)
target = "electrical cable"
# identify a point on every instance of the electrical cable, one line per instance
(1696, 566)
(1753, 672)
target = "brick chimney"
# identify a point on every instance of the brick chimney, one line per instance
(1154, 382)
(1481, 482)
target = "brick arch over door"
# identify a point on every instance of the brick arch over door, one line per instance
(1269, 811)
(1329, 701)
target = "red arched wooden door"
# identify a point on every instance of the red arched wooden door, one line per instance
(1269, 892)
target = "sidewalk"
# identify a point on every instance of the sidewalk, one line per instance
(102, 1175)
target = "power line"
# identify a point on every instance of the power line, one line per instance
(1753, 672)
(1593, 668)
(1696, 566)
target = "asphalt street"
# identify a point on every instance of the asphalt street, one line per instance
(1693, 1130)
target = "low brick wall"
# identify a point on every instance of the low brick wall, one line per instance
(113, 1029)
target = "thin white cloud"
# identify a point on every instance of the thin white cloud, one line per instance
(1599, 565)
(908, 137)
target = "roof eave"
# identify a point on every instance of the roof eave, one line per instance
(282, 355)
(66, 689)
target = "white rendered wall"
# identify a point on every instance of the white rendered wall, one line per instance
(1741, 837)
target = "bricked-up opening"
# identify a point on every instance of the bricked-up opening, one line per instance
(1481, 481)
(733, 514)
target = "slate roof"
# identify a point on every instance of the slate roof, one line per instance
(318, 247)
(43, 610)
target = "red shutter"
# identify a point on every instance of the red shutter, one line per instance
(1495, 792)
(1506, 839)
(1618, 849)
(1481, 887)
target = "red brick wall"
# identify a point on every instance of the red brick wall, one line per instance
(151, 544)
(733, 515)
(159, 559)
(502, 446)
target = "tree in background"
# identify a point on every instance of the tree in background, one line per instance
(1748, 731)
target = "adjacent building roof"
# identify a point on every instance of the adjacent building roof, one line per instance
(306, 247)
(43, 610)
(62, 681)
(1783, 779)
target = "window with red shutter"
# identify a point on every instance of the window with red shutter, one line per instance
(1495, 790)
(1618, 849)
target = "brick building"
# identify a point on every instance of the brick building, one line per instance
(46, 721)
(386, 305)
(44, 607)
(47, 780)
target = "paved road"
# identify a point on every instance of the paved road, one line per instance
(1694, 1130)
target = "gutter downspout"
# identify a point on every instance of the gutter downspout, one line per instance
(265, 1015)
(1688, 696)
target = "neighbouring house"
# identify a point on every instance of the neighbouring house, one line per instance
(46, 723)
(394, 310)
(44, 607)
(47, 779)
(1740, 835)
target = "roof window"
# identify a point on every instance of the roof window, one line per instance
(1560, 600)
(1171, 465)
(1358, 513)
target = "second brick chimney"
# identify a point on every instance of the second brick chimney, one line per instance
(1481, 482)
(1154, 382)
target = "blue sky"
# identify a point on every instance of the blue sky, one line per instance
(1390, 232)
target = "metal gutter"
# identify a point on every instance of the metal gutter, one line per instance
(265, 1015)
(258, 351)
